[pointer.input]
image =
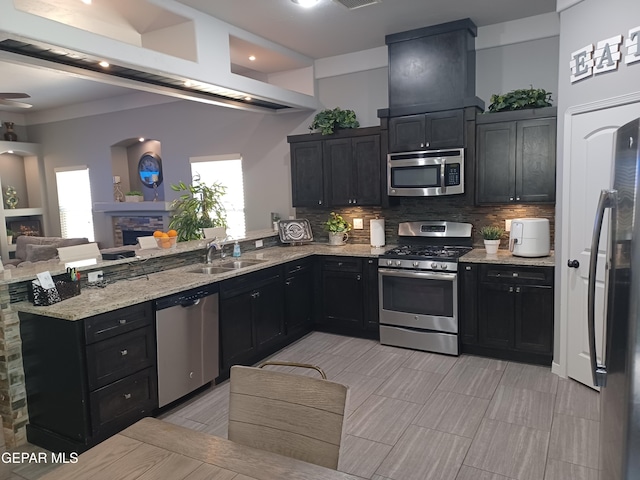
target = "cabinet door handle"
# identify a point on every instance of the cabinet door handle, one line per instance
(517, 289)
(319, 202)
(255, 294)
(355, 200)
(517, 198)
(124, 352)
(573, 264)
(122, 321)
(339, 264)
(510, 289)
(358, 277)
(350, 201)
(287, 282)
(428, 144)
(467, 267)
(511, 199)
(422, 145)
(370, 261)
(127, 396)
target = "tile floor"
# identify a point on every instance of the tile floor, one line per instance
(416, 415)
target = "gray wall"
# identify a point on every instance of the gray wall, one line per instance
(502, 69)
(587, 23)
(185, 129)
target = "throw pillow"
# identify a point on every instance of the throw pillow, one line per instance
(39, 253)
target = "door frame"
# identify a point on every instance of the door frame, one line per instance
(561, 296)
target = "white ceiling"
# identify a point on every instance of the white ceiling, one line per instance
(324, 31)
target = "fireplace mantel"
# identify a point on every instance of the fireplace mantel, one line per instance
(132, 208)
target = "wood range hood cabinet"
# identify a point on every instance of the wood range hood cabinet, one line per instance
(432, 69)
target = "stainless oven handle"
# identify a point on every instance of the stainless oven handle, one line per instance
(416, 274)
(443, 186)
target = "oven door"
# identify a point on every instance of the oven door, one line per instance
(424, 300)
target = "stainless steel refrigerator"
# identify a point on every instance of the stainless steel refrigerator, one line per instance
(619, 372)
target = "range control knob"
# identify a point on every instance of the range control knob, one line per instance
(398, 263)
(389, 262)
(434, 265)
(416, 264)
(443, 266)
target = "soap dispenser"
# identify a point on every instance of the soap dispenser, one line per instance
(236, 249)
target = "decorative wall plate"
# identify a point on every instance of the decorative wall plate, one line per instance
(295, 231)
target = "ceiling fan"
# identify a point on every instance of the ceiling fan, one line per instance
(7, 100)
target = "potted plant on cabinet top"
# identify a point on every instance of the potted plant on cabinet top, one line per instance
(133, 196)
(9, 236)
(520, 99)
(329, 120)
(491, 235)
(200, 206)
(337, 228)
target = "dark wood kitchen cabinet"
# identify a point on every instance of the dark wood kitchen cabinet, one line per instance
(468, 303)
(341, 169)
(298, 298)
(88, 379)
(252, 323)
(516, 154)
(514, 312)
(307, 184)
(372, 303)
(430, 131)
(344, 297)
(353, 170)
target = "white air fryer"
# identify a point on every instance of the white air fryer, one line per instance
(529, 237)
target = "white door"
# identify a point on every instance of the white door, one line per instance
(591, 164)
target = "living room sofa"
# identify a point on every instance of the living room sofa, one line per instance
(37, 249)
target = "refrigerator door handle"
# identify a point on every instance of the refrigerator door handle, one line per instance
(607, 200)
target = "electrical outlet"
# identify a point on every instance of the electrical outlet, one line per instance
(94, 277)
(259, 243)
(358, 224)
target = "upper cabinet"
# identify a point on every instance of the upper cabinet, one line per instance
(516, 157)
(426, 131)
(336, 170)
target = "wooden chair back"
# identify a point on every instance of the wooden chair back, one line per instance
(293, 415)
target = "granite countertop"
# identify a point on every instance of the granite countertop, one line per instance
(479, 255)
(123, 293)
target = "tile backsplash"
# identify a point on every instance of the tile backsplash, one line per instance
(411, 209)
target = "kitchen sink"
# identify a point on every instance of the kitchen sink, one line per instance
(211, 270)
(226, 267)
(235, 264)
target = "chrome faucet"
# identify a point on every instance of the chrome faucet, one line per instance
(212, 246)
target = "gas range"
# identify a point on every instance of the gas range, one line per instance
(429, 246)
(420, 257)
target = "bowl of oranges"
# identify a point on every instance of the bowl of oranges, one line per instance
(166, 239)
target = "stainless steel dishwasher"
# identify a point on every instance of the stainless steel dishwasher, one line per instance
(187, 342)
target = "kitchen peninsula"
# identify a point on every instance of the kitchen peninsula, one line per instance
(159, 273)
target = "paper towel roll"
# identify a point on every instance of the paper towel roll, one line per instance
(377, 232)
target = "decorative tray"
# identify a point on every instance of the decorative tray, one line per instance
(295, 231)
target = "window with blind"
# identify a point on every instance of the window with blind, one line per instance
(74, 201)
(227, 171)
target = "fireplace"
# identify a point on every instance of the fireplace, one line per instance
(130, 237)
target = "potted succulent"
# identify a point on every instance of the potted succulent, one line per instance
(491, 235)
(337, 228)
(133, 196)
(327, 121)
(520, 99)
(200, 206)
(9, 236)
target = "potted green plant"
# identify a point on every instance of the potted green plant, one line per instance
(337, 228)
(520, 99)
(9, 236)
(328, 120)
(491, 235)
(200, 206)
(133, 196)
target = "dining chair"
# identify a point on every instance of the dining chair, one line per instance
(294, 415)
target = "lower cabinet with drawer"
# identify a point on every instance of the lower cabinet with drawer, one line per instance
(252, 322)
(88, 379)
(507, 312)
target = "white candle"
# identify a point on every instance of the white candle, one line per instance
(154, 178)
(116, 179)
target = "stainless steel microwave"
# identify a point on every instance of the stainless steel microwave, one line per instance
(426, 173)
